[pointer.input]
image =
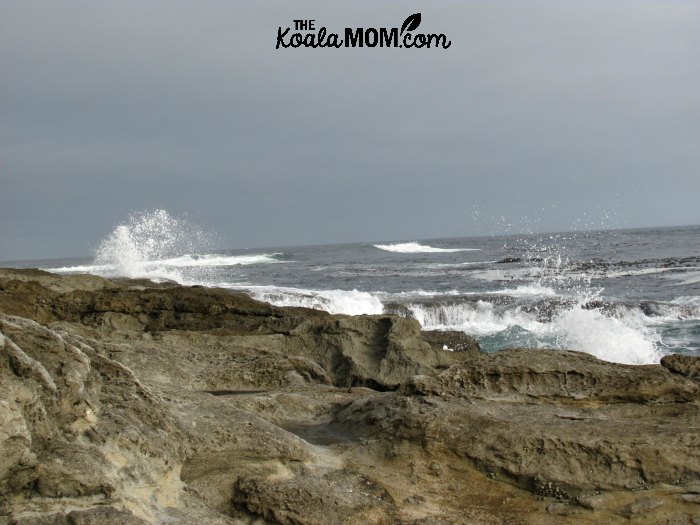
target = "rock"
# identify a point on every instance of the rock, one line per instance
(132, 402)
(55, 518)
(340, 497)
(93, 516)
(641, 507)
(103, 516)
(455, 341)
(685, 365)
(526, 374)
(599, 501)
(376, 351)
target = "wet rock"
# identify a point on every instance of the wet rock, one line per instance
(454, 341)
(685, 365)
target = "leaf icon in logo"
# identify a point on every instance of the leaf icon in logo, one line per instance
(411, 23)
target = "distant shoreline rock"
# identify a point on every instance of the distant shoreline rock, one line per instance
(133, 402)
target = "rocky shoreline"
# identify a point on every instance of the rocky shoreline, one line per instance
(132, 402)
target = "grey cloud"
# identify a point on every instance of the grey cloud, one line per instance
(576, 108)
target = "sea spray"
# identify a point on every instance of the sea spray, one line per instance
(616, 295)
(138, 246)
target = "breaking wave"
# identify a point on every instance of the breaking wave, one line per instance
(414, 247)
(156, 245)
(531, 296)
(614, 332)
(351, 302)
(623, 337)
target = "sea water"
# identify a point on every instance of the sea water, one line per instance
(629, 296)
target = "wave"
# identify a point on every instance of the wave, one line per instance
(350, 302)
(144, 268)
(618, 333)
(155, 245)
(414, 247)
(534, 290)
(624, 339)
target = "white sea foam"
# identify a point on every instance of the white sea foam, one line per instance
(351, 302)
(532, 290)
(625, 339)
(96, 269)
(414, 247)
(213, 260)
(479, 318)
(688, 300)
(141, 268)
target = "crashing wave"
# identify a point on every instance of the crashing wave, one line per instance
(414, 247)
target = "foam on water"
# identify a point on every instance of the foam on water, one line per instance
(525, 290)
(688, 300)
(212, 260)
(622, 340)
(351, 302)
(145, 268)
(625, 339)
(479, 318)
(414, 247)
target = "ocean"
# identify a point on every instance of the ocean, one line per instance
(628, 296)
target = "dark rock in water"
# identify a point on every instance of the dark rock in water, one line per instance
(546, 309)
(685, 365)
(507, 260)
(399, 309)
(131, 402)
(454, 341)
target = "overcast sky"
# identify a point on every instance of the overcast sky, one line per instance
(553, 115)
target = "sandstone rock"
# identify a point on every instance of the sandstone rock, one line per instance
(103, 516)
(191, 405)
(378, 351)
(641, 507)
(528, 374)
(338, 497)
(93, 516)
(685, 365)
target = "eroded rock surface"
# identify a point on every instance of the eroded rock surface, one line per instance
(133, 402)
(685, 365)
